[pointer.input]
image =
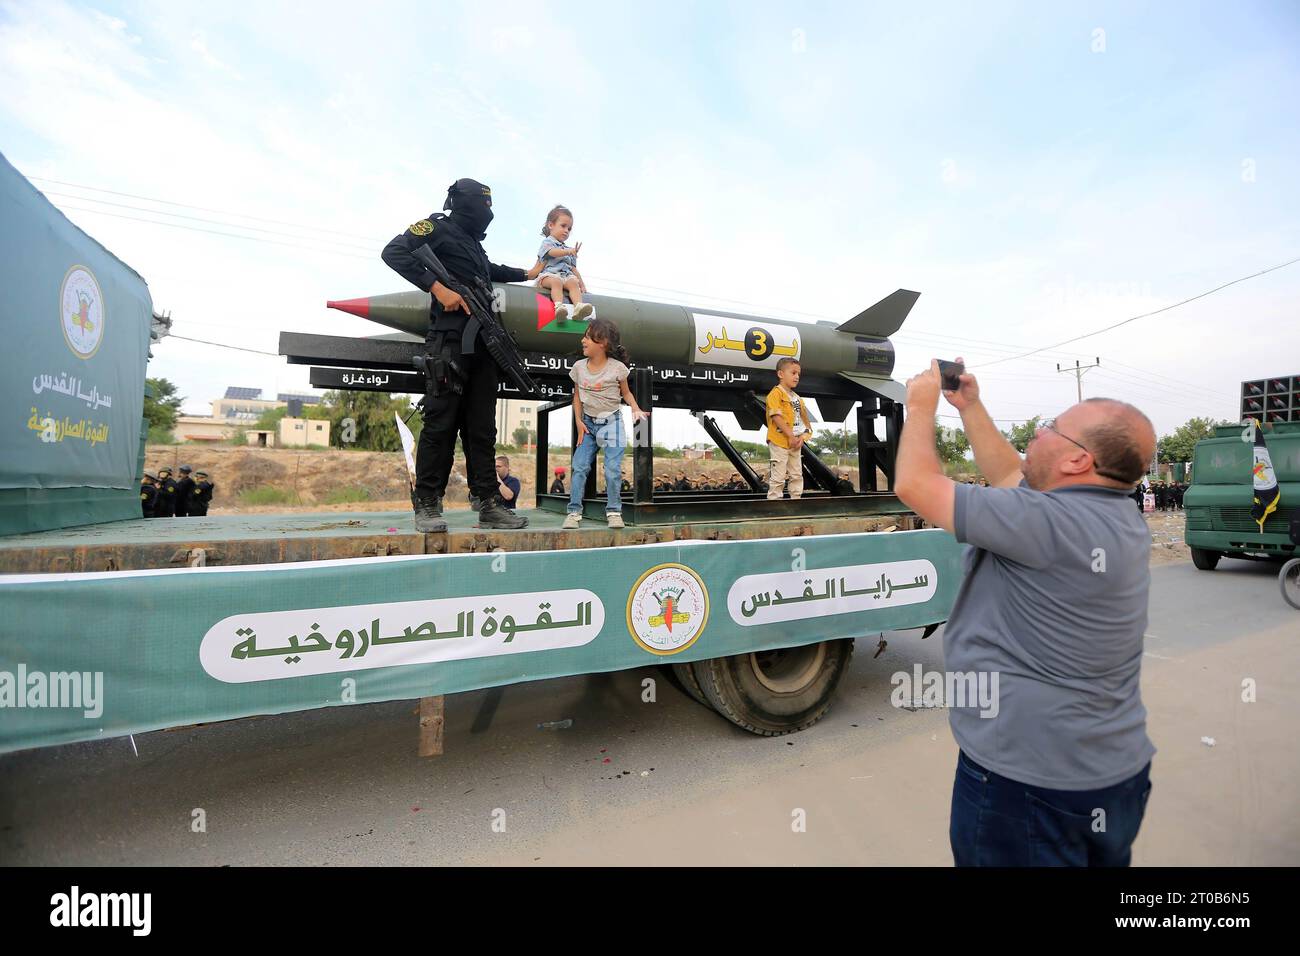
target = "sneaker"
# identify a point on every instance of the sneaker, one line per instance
(615, 518)
(475, 504)
(428, 516)
(562, 312)
(496, 515)
(584, 311)
(571, 521)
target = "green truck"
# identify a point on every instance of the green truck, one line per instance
(1218, 500)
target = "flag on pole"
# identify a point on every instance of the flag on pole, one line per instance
(1264, 480)
(408, 451)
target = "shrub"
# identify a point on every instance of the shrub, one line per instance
(347, 495)
(266, 496)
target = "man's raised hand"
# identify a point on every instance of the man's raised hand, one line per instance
(968, 394)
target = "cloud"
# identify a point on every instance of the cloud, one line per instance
(699, 152)
(199, 44)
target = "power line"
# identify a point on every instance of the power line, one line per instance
(222, 345)
(212, 222)
(1146, 315)
(1181, 388)
(221, 212)
(214, 232)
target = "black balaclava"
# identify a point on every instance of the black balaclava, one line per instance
(470, 203)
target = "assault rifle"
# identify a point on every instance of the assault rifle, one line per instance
(483, 324)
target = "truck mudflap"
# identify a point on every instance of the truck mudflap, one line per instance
(84, 656)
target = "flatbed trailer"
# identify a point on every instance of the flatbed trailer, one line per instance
(134, 626)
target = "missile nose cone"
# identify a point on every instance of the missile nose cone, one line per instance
(359, 307)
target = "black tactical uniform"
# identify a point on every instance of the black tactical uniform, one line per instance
(165, 504)
(471, 411)
(148, 495)
(184, 488)
(201, 496)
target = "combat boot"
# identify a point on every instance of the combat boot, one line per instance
(428, 516)
(494, 514)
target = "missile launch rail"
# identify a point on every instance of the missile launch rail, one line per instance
(386, 364)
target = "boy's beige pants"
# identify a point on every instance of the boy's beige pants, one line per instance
(785, 466)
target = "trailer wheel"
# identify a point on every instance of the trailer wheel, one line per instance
(684, 677)
(777, 692)
(1289, 579)
(1205, 560)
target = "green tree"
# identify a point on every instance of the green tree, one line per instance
(520, 435)
(1020, 435)
(365, 420)
(161, 410)
(750, 450)
(269, 420)
(1179, 445)
(833, 442)
(952, 443)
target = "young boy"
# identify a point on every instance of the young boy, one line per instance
(788, 428)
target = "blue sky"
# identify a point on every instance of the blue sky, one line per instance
(1034, 170)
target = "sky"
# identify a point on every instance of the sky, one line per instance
(1035, 171)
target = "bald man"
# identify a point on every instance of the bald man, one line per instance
(1055, 769)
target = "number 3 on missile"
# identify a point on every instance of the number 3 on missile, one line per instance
(758, 344)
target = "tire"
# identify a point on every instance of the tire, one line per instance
(1289, 581)
(779, 692)
(1205, 560)
(683, 678)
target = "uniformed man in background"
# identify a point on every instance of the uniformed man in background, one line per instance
(202, 495)
(148, 494)
(165, 504)
(184, 488)
(464, 399)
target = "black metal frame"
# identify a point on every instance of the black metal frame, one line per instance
(385, 365)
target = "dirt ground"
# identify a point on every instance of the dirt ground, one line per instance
(309, 478)
(1167, 545)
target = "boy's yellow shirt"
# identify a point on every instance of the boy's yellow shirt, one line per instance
(779, 403)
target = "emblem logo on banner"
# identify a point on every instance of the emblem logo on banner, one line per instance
(81, 312)
(667, 609)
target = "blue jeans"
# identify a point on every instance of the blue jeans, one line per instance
(1000, 822)
(609, 436)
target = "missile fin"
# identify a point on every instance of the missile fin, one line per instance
(748, 419)
(835, 409)
(885, 317)
(885, 387)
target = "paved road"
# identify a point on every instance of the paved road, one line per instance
(635, 782)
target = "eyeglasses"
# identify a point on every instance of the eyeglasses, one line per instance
(1050, 425)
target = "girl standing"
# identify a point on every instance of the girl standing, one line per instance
(599, 389)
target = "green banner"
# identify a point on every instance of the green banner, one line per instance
(76, 323)
(84, 656)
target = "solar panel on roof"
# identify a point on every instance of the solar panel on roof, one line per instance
(236, 392)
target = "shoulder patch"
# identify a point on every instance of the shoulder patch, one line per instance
(422, 228)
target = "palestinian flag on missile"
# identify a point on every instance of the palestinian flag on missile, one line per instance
(1263, 479)
(546, 321)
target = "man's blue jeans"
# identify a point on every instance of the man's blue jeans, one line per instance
(1000, 822)
(606, 433)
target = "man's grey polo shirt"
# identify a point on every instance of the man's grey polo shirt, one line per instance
(1055, 602)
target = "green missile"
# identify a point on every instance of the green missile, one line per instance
(857, 352)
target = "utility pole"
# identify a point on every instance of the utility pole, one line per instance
(1078, 372)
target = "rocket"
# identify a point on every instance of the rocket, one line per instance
(847, 360)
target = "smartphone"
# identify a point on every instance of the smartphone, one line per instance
(950, 373)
